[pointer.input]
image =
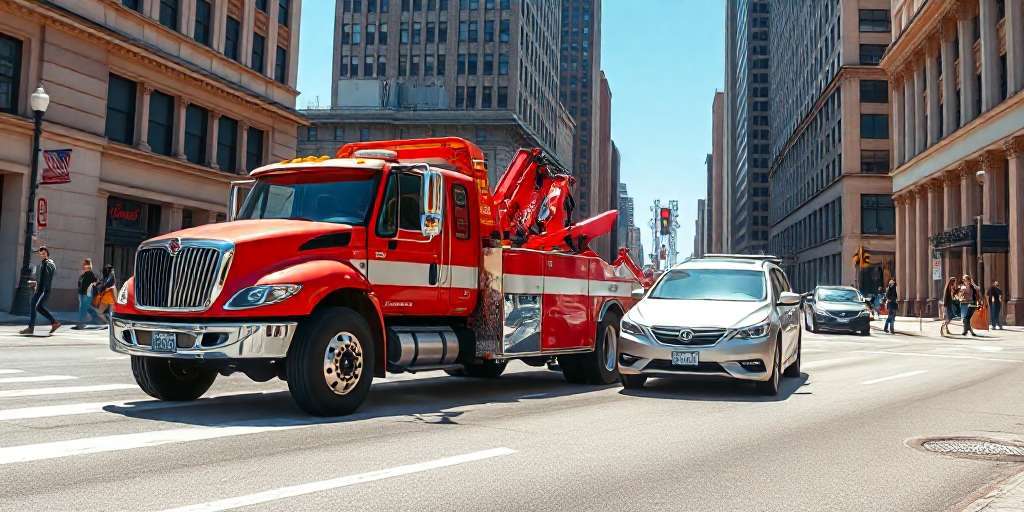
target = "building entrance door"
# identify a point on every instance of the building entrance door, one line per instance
(129, 223)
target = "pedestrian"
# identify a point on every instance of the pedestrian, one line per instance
(891, 304)
(42, 284)
(995, 301)
(86, 290)
(970, 297)
(106, 290)
(877, 301)
(949, 304)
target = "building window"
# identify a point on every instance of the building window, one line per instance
(135, 5)
(486, 100)
(382, 34)
(311, 133)
(489, 31)
(353, 65)
(196, 130)
(417, 29)
(161, 123)
(414, 66)
(474, 31)
(460, 97)
(428, 65)
(403, 32)
(875, 20)
(253, 148)
(364, 134)
(261, 5)
(232, 30)
(502, 97)
(10, 74)
(368, 65)
(874, 161)
(877, 215)
(874, 91)
(169, 14)
(440, 65)
(227, 144)
(471, 97)
(471, 66)
(488, 64)
(282, 11)
(371, 35)
(382, 66)
(281, 66)
(504, 32)
(442, 31)
(503, 64)
(874, 126)
(203, 27)
(357, 34)
(871, 54)
(259, 51)
(339, 133)
(120, 109)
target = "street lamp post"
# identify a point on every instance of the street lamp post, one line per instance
(23, 296)
(979, 222)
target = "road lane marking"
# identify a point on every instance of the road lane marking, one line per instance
(112, 358)
(8, 372)
(131, 406)
(893, 377)
(947, 356)
(345, 481)
(810, 365)
(36, 378)
(13, 393)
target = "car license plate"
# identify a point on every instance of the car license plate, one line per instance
(684, 358)
(164, 342)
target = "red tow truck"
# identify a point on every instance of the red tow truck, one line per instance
(391, 257)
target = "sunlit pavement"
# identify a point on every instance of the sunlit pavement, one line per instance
(76, 434)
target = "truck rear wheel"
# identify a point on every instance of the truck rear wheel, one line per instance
(330, 364)
(171, 380)
(599, 366)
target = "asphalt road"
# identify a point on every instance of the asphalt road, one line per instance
(75, 434)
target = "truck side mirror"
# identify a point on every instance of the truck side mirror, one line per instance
(234, 201)
(433, 203)
(638, 293)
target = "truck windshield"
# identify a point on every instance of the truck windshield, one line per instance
(341, 198)
(711, 284)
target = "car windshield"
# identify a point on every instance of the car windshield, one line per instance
(711, 284)
(338, 197)
(839, 295)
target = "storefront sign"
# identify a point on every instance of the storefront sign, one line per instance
(41, 213)
(125, 214)
(936, 270)
(994, 238)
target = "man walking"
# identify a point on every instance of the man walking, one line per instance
(43, 284)
(995, 301)
(891, 304)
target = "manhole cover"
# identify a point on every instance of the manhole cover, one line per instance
(974, 448)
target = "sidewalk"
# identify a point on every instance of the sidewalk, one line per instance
(68, 318)
(1005, 498)
(929, 327)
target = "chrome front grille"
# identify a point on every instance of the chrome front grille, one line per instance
(186, 279)
(701, 336)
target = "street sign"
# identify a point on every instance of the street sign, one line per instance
(936, 270)
(41, 213)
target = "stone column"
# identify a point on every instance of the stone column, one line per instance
(909, 137)
(211, 149)
(896, 96)
(248, 23)
(922, 253)
(993, 207)
(951, 219)
(935, 226)
(968, 209)
(272, 8)
(967, 84)
(920, 130)
(931, 73)
(901, 243)
(179, 127)
(220, 20)
(243, 143)
(989, 54)
(188, 17)
(948, 51)
(170, 220)
(143, 131)
(1014, 288)
(1014, 29)
(910, 290)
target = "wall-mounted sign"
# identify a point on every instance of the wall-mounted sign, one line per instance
(41, 213)
(125, 214)
(58, 166)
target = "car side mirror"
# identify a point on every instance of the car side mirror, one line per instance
(638, 293)
(433, 204)
(789, 299)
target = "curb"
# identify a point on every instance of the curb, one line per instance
(1007, 496)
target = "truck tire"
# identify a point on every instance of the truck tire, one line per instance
(171, 380)
(330, 363)
(489, 369)
(601, 365)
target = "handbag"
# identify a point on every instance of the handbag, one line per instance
(107, 297)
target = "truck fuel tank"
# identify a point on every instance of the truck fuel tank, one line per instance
(416, 348)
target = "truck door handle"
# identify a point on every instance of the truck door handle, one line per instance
(432, 274)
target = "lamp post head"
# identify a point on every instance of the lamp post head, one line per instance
(40, 100)
(980, 176)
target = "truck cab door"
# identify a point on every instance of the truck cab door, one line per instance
(404, 260)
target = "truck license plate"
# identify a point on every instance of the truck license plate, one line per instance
(684, 358)
(164, 342)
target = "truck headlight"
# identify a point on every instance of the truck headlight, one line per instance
(631, 328)
(754, 331)
(262, 295)
(122, 296)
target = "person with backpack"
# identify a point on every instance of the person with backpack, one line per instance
(86, 290)
(970, 297)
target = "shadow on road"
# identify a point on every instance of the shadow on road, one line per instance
(714, 389)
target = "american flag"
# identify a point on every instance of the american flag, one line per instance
(58, 163)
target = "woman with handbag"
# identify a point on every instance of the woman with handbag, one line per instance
(969, 302)
(949, 304)
(105, 292)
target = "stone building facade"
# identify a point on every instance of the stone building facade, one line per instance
(162, 102)
(957, 75)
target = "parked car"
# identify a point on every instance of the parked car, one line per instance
(837, 309)
(724, 315)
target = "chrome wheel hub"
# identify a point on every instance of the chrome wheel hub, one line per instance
(343, 363)
(611, 348)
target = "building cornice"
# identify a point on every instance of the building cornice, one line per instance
(917, 33)
(121, 46)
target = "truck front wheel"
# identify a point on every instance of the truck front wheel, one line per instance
(167, 379)
(330, 364)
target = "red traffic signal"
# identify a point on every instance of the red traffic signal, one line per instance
(665, 221)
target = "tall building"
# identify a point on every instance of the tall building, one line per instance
(700, 230)
(829, 130)
(709, 203)
(719, 217)
(489, 69)
(747, 110)
(580, 89)
(957, 86)
(162, 104)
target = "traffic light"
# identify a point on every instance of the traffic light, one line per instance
(665, 221)
(865, 260)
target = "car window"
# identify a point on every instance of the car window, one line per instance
(838, 295)
(711, 284)
(402, 205)
(776, 284)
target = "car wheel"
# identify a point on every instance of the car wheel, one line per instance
(633, 381)
(330, 365)
(793, 370)
(771, 386)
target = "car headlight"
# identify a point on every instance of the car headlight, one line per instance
(631, 328)
(754, 331)
(122, 296)
(262, 295)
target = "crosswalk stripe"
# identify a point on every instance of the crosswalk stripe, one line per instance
(35, 378)
(53, 411)
(345, 481)
(13, 393)
(824, 363)
(8, 372)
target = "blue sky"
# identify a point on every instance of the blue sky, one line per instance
(664, 60)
